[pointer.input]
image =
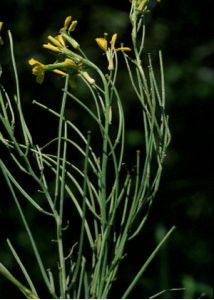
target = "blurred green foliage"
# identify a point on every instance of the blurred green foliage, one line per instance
(184, 33)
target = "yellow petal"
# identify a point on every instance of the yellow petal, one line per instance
(51, 47)
(60, 39)
(57, 71)
(39, 72)
(123, 49)
(54, 41)
(102, 43)
(67, 22)
(33, 62)
(113, 40)
(73, 26)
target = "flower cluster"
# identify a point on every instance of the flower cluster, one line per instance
(71, 60)
(55, 44)
(60, 68)
(71, 57)
(109, 49)
(58, 44)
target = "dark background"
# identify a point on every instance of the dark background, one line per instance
(183, 30)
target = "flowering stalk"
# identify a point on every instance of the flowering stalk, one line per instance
(110, 201)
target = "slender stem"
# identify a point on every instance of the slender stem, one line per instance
(62, 188)
(82, 230)
(62, 271)
(24, 271)
(145, 265)
(104, 159)
(59, 217)
(61, 118)
(25, 130)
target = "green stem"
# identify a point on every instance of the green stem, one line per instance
(25, 130)
(148, 261)
(59, 217)
(61, 119)
(82, 230)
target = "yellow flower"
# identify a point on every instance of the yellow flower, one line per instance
(38, 69)
(55, 41)
(61, 68)
(72, 26)
(56, 44)
(51, 47)
(109, 48)
(102, 43)
(69, 25)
